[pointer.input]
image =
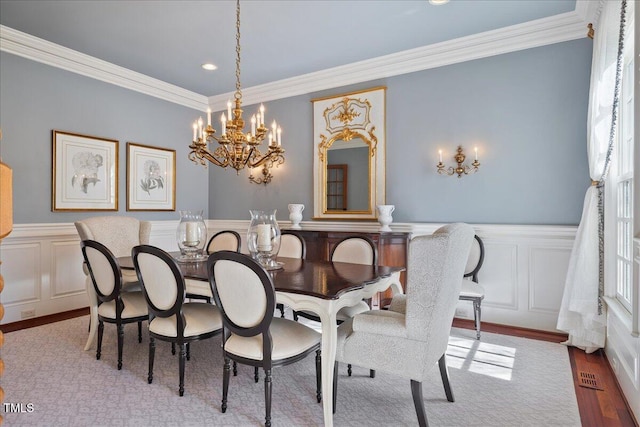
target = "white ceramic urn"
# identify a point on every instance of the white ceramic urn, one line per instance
(384, 216)
(295, 215)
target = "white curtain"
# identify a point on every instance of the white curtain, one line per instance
(579, 313)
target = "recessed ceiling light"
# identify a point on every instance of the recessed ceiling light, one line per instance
(209, 66)
(438, 2)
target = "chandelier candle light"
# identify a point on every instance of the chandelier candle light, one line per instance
(236, 148)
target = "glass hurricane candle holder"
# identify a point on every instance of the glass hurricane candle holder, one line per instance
(191, 235)
(263, 238)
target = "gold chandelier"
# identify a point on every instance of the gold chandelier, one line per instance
(236, 148)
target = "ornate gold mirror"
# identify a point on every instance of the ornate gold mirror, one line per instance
(349, 141)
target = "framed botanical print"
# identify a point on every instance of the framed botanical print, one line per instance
(84, 173)
(151, 178)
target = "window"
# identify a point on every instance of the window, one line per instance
(619, 199)
(337, 187)
(624, 161)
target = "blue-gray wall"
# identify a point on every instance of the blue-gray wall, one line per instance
(526, 111)
(36, 98)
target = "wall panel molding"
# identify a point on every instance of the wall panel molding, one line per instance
(547, 274)
(67, 277)
(22, 274)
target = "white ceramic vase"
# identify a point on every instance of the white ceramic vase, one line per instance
(384, 216)
(295, 215)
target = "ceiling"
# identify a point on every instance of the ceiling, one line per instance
(169, 40)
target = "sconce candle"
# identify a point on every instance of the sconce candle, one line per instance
(461, 169)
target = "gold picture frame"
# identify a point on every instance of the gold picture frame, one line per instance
(151, 178)
(84, 173)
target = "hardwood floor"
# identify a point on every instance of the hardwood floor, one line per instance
(602, 407)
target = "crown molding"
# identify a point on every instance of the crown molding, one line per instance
(589, 11)
(555, 29)
(34, 48)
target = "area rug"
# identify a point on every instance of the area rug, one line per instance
(50, 381)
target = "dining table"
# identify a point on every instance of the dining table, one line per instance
(319, 286)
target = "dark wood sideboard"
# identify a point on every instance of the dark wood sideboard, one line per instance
(392, 250)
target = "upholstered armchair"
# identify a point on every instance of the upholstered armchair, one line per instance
(408, 339)
(119, 234)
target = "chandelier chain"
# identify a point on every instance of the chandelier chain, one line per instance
(237, 149)
(238, 94)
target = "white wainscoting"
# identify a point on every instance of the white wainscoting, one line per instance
(523, 272)
(623, 342)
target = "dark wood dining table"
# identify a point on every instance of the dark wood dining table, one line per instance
(322, 287)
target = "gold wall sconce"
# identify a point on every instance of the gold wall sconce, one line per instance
(266, 175)
(461, 169)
